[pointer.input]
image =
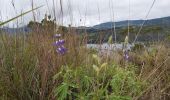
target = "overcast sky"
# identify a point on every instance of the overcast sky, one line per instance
(85, 12)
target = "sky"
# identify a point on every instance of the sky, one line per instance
(84, 12)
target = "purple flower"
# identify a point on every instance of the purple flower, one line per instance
(57, 35)
(126, 55)
(59, 42)
(61, 50)
(60, 45)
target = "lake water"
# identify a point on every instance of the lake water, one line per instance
(107, 46)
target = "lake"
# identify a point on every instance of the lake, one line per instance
(107, 46)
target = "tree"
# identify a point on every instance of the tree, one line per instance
(46, 25)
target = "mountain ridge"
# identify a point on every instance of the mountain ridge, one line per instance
(163, 21)
(157, 21)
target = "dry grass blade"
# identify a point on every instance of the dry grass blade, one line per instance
(2, 23)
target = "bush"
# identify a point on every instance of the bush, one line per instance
(99, 81)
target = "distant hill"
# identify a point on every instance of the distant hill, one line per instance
(154, 30)
(165, 21)
(23, 29)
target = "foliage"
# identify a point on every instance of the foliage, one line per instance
(138, 47)
(30, 68)
(103, 81)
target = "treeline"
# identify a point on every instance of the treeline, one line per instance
(47, 26)
(148, 33)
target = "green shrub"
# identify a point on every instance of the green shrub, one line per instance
(98, 81)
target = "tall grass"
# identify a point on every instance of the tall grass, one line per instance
(31, 69)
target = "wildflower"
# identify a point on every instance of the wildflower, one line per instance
(57, 35)
(60, 42)
(61, 50)
(126, 55)
(60, 45)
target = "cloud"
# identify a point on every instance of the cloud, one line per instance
(86, 12)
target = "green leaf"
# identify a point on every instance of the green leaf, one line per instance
(57, 75)
(2, 23)
(110, 41)
(61, 91)
(126, 40)
(103, 65)
(96, 68)
(96, 58)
